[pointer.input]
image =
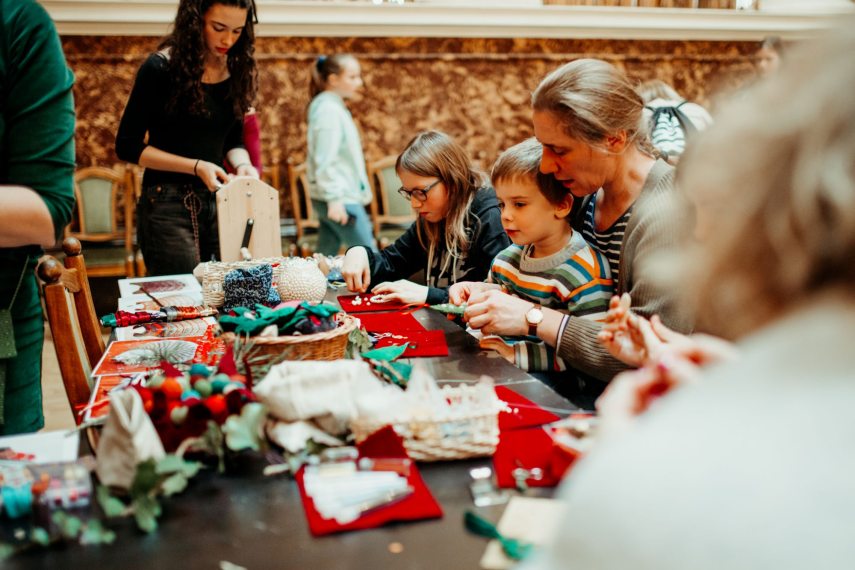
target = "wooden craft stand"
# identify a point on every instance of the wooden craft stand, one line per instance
(239, 200)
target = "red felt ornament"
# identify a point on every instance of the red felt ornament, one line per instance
(227, 364)
(171, 388)
(169, 370)
(218, 407)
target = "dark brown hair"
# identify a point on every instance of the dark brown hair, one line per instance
(187, 49)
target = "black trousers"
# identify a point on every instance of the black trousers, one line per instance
(177, 227)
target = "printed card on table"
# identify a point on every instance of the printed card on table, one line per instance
(46, 446)
(145, 303)
(132, 356)
(98, 406)
(158, 285)
(191, 327)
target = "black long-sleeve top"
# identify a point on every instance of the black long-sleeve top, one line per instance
(406, 256)
(206, 137)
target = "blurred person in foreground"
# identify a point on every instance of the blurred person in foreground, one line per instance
(749, 466)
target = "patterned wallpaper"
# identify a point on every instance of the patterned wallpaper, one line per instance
(475, 89)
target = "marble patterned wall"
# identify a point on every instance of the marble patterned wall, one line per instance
(475, 89)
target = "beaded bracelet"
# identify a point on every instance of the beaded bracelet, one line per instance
(195, 166)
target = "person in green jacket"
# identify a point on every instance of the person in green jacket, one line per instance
(36, 195)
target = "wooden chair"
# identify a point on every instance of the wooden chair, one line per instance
(388, 209)
(105, 215)
(73, 323)
(301, 204)
(134, 180)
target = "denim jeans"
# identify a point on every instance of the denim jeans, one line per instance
(331, 235)
(165, 228)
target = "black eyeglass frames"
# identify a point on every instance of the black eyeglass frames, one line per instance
(419, 194)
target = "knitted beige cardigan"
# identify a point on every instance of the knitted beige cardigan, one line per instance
(649, 229)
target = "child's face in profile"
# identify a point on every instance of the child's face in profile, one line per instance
(349, 82)
(527, 216)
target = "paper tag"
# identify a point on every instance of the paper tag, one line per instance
(7, 335)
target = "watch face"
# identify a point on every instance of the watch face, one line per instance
(534, 316)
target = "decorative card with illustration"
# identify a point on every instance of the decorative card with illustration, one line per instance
(136, 303)
(99, 401)
(132, 356)
(192, 327)
(161, 284)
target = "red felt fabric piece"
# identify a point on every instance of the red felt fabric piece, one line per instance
(527, 448)
(395, 323)
(523, 443)
(346, 302)
(524, 413)
(420, 505)
(419, 343)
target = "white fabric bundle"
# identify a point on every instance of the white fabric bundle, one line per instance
(128, 439)
(326, 391)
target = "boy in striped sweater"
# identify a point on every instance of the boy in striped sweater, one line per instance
(548, 263)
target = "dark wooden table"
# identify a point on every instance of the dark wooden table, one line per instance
(258, 522)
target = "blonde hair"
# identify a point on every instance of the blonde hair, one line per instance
(657, 89)
(325, 66)
(781, 191)
(433, 153)
(593, 99)
(522, 161)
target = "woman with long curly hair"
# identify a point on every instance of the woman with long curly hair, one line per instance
(190, 98)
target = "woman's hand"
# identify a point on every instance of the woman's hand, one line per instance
(624, 342)
(247, 170)
(336, 212)
(402, 291)
(355, 270)
(631, 393)
(459, 293)
(211, 175)
(496, 312)
(678, 361)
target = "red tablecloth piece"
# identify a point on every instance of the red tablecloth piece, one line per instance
(346, 302)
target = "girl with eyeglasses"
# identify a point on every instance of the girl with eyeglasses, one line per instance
(190, 98)
(338, 183)
(455, 238)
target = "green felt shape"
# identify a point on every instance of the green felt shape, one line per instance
(515, 549)
(271, 315)
(449, 309)
(243, 325)
(243, 431)
(387, 353)
(321, 309)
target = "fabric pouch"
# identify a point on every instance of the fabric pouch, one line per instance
(247, 287)
(128, 438)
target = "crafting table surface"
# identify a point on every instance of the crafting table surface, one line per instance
(258, 522)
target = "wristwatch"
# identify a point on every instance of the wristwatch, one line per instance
(533, 317)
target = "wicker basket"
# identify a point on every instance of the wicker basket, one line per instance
(214, 272)
(329, 345)
(471, 433)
